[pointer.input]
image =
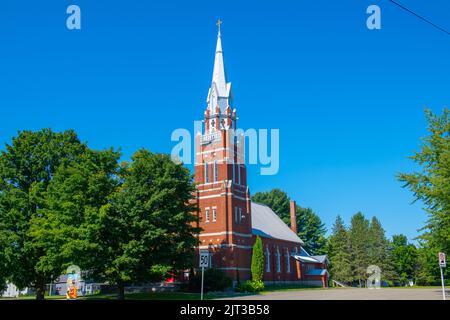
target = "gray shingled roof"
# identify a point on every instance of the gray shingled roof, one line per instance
(266, 223)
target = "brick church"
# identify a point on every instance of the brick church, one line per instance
(229, 220)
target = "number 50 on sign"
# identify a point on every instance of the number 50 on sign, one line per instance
(204, 259)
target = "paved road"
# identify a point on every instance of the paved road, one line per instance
(351, 294)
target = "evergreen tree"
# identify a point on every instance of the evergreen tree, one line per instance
(311, 229)
(431, 185)
(257, 266)
(277, 200)
(379, 253)
(309, 226)
(359, 247)
(339, 252)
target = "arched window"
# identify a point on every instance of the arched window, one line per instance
(278, 260)
(267, 259)
(206, 173)
(239, 173)
(234, 175)
(216, 171)
(288, 261)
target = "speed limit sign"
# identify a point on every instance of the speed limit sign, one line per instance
(204, 263)
(204, 259)
(442, 264)
(442, 261)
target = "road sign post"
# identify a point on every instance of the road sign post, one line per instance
(204, 263)
(442, 265)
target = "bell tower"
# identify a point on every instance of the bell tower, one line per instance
(221, 177)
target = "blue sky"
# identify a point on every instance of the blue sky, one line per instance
(348, 101)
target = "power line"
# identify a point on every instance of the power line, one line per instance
(420, 17)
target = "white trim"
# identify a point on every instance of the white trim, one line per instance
(208, 190)
(225, 245)
(220, 181)
(245, 235)
(214, 150)
(224, 194)
(211, 183)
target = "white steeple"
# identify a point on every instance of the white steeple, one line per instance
(220, 91)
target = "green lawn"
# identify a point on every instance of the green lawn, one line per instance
(140, 296)
(196, 296)
(178, 295)
(276, 288)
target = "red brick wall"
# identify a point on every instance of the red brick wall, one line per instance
(231, 242)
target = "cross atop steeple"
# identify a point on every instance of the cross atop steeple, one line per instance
(219, 22)
(220, 91)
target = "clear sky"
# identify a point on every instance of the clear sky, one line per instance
(348, 101)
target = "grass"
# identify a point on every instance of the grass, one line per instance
(196, 296)
(281, 288)
(138, 296)
(415, 287)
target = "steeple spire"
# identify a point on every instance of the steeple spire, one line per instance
(219, 66)
(220, 90)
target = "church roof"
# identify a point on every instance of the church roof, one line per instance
(266, 223)
(321, 259)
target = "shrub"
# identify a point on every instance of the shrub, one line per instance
(215, 280)
(257, 260)
(251, 286)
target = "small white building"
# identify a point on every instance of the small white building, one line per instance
(13, 292)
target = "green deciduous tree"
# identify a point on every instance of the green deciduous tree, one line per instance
(148, 229)
(27, 167)
(3, 264)
(67, 228)
(257, 267)
(338, 249)
(404, 256)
